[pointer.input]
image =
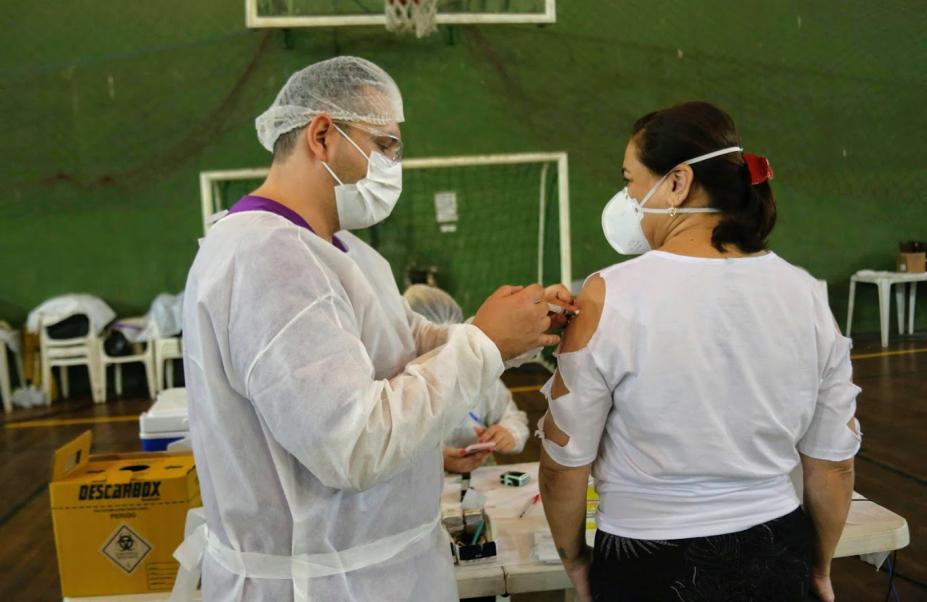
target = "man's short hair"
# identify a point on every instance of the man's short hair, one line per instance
(286, 143)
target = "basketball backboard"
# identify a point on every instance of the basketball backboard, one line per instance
(341, 13)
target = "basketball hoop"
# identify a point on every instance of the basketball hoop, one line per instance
(411, 15)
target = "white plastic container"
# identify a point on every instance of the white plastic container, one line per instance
(166, 421)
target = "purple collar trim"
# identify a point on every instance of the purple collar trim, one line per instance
(252, 202)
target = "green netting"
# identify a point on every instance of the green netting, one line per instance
(492, 237)
(109, 113)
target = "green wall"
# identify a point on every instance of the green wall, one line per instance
(110, 110)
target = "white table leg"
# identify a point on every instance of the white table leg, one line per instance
(884, 303)
(899, 305)
(912, 300)
(850, 303)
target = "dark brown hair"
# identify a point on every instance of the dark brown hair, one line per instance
(668, 137)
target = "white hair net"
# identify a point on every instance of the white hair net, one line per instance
(346, 87)
(433, 303)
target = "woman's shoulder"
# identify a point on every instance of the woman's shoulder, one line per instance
(623, 282)
(798, 275)
(627, 267)
(591, 301)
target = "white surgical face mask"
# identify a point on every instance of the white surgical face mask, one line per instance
(371, 199)
(622, 216)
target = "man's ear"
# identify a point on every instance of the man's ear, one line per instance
(318, 136)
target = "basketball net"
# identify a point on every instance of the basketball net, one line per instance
(411, 15)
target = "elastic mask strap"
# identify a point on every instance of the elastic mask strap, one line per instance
(337, 179)
(699, 159)
(712, 155)
(354, 144)
(651, 191)
(674, 210)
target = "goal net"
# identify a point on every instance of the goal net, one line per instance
(475, 222)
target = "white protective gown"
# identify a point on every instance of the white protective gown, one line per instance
(318, 404)
(497, 407)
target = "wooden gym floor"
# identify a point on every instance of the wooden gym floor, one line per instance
(891, 469)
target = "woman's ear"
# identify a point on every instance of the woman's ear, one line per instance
(681, 179)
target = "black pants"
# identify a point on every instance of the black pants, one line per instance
(767, 563)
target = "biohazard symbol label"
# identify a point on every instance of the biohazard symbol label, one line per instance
(126, 548)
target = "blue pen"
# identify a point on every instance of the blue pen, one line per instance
(476, 419)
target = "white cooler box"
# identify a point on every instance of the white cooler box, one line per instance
(166, 421)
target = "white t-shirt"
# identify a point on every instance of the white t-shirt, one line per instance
(702, 383)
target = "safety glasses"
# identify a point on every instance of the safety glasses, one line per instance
(388, 145)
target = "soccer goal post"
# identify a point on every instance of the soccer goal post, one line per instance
(475, 221)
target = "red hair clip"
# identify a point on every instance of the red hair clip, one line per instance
(760, 171)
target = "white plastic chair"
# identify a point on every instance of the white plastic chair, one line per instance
(166, 350)
(146, 358)
(64, 353)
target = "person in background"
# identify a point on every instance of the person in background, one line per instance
(494, 417)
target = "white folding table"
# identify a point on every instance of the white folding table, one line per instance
(870, 529)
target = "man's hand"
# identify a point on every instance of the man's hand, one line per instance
(558, 294)
(501, 436)
(515, 319)
(456, 461)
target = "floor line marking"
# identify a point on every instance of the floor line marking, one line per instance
(25, 424)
